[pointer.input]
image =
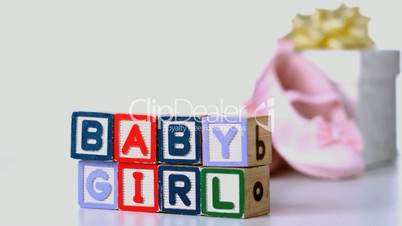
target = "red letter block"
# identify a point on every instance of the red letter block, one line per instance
(135, 138)
(138, 187)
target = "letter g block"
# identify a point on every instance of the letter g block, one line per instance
(97, 184)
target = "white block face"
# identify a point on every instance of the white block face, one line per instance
(111, 178)
(103, 150)
(191, 194)
(147, 187)
(145, 129)
(229, 191)
(215, 146)
(191, 126)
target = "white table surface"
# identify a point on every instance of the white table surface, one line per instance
(29, 197)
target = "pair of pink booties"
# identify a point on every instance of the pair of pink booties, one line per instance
(311, 129)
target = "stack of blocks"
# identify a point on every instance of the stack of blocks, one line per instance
(212, 166)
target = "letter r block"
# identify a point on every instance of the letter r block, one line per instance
(92, 136)
(135, 138)
(235, 192)
(97, 184)
(179, 140)
(236, 141)
(179, 189)
(138, 187)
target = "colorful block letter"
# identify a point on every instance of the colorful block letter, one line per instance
(235, 141)
(92, 136)
(179, 189)
(97, 184)
(179, 140)
(135, 138)
(138, 187)
(235, 192)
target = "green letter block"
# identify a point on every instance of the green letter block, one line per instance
(235, 192)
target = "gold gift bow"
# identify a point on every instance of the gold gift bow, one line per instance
(343, 28)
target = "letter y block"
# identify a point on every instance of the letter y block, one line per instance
(236, 141)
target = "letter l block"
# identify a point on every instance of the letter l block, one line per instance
(235, 192)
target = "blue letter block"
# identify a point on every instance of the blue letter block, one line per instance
(97, 184)
(179, 189)
(92, 136)
(179, 140)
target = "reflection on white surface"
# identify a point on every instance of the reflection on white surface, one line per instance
(98, 217)
(372, 199)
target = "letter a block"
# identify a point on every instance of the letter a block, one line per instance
(92, 136)
(138, 187)
(235, 192)
(179, 189)
(97, 184)
(235, 141)
(179, 140)
(135, 138)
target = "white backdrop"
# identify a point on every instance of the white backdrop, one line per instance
(57, 57)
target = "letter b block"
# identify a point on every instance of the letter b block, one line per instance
(235, 141)
(235, 192)
(97, 184)
(92, 136)
(179, 140)
(179, 189)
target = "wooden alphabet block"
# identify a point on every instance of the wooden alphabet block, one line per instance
(97, 184)
(235, 192)
(179, 140)
(92, 136)
(135, 138)
(179, 189)
(138, 187)
(236, 141)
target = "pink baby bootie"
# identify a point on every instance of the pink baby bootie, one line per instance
(311, 129)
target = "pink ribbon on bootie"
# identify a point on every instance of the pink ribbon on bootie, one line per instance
(343, 132)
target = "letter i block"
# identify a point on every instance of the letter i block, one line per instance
(179, 140)
(236, 141)
(92, 136)
(97, 184)
(135, 138)
(179, 189)
(138, 187)
(235, 192)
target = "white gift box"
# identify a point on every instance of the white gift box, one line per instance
(367, 81)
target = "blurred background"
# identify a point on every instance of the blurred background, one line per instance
(57, 57)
